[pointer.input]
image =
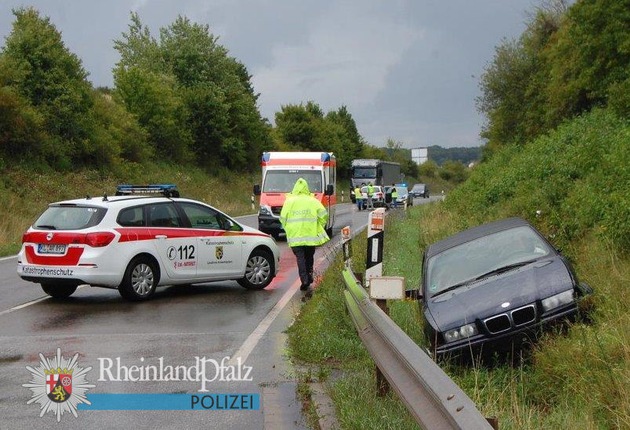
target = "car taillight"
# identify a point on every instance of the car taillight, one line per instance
(26, 237)
(98, 240)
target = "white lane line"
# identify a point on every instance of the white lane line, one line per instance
(8, 258)
(23, 305)
(252, 340)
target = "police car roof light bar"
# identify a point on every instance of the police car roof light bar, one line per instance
(168, 190)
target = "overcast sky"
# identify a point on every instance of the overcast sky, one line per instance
(406, 69)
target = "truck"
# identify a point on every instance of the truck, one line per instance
(280, 171)
(377, 172)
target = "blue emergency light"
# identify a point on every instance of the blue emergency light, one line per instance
(168, 190)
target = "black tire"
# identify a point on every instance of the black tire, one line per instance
(59, 291)
(259, 270)
(140, 279)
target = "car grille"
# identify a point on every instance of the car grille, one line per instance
(515, 318)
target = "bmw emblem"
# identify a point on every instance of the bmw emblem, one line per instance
(505, 304)
(49, 237)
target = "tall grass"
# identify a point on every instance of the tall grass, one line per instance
(26, 193)
(578, 178)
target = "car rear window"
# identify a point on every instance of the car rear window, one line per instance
(70, 217)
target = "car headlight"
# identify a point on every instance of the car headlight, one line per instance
(556, 300)
(462, 332)
(264, 210)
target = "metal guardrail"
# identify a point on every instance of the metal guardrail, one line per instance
(430, 395)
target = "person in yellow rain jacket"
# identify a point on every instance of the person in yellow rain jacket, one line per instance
(358, 197)
(394, 196)
(304, 218)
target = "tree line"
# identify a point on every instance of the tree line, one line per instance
(569, 60)
(178, 97)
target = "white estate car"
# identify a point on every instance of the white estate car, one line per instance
(135, 243)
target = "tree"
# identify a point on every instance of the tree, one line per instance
(454, 171)
(351, 144)
(51, 80)
(154, 100)
(296, 125)
(210, 103)
(591, 58)
(428, 169)
(568, 61)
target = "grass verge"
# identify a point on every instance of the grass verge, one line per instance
(577, 379)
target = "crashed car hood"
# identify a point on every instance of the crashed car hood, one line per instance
(499, 293)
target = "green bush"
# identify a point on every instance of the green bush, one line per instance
(576, 177)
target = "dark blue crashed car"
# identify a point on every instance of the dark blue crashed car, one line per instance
(494, 286)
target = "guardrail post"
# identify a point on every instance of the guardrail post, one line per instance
(374, 268)
(382, 386)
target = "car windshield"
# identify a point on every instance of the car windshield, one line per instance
(282, 181)
(364, 172)
(483, 257)
(69, 217)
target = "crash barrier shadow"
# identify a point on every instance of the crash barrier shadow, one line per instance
(434, 400)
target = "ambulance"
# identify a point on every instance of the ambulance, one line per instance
(280, 171)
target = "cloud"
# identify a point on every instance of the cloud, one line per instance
(345, 60)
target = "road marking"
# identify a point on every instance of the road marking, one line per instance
(252, 340)
(32, 302)
(23, 305)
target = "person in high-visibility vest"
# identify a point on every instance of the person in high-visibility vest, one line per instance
(304, 218)
(370, 193)
(358, 197)
(394, 196)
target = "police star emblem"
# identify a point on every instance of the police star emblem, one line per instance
(58, 385)
(218, 252)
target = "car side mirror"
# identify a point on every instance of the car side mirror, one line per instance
(256, 190)
(330, 190)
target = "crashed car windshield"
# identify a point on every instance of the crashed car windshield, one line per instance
(510, 248)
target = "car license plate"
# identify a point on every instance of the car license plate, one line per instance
(50, 248)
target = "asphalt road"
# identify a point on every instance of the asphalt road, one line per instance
(198, 329)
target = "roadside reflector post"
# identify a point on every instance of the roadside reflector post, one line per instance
(253, 199)
(374, 261)
(346, 246)
(341, 196)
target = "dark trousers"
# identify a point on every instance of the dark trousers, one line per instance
(305, 256)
